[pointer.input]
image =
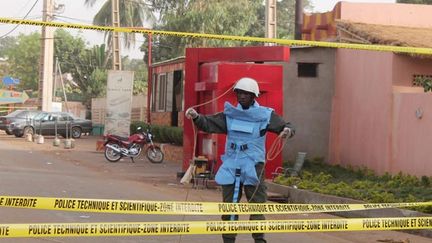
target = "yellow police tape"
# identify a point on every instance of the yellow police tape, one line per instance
(210, 227)
(413, 50)
(185, 208)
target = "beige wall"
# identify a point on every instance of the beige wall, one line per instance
(404, 67)
(412, 136)
(362, 108)
(374, 121)
(139, 109)
(410, 15)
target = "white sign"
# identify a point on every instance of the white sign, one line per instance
(119, 102)
(56, 106)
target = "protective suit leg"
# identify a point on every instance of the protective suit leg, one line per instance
(257, 194)
(227, 196)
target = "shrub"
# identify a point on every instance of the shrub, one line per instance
(361, 184)
(162, 134)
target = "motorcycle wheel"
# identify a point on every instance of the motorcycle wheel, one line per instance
(111, 155)
(154, 154)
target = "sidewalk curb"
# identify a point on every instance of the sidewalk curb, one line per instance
(294, 195)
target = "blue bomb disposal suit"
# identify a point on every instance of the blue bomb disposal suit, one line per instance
(246, 126)
(245, 146)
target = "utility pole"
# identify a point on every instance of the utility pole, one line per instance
(298, 19)
(270, 19)
(46, 59)
(115, 35)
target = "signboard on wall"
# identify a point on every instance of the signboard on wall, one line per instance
(56, 106)
(119, 102)
(9, 97)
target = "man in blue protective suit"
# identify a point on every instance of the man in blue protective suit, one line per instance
(243, 162)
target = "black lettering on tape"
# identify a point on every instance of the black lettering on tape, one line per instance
(395, 223)
(21, 202)
(227, 208)
(65, 203)
(39, 229)
(71, 229)
(371, 223)
(216, 226)
(4, 230)
(234, 226)
(175, 228)
(93, 205)
(139, 206)
(334, 225)
(166, 207)
(189, 207)
(424, 222)
(313, 225)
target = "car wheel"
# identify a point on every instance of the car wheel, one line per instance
(8, 132)
(19, 135)
(28, 130)
(76, 132)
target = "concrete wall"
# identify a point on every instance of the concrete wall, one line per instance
(362, 110)
(410, 15)
(412, 131)
(138, 112)
(307, 102)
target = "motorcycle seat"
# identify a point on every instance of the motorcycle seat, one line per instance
(121, 138)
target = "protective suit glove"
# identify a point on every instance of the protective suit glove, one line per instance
(191, 113)
(286, 133)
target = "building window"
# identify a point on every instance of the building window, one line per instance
(153, 92)
(161, 92)
(309, 70)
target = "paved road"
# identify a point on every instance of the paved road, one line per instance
(29, 169)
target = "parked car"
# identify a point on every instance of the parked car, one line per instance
(46, 123)
(17, 118)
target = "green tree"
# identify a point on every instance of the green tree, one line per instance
(23, 60)
(212, 17)
(243, 18)
(140, 74)
(415, 1)
(286, 17)
(5, 44)
(89, 73)
(133, 13)
(66, 48)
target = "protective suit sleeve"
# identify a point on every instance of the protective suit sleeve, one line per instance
(212, 123)
(277, 124)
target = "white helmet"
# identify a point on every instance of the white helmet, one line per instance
(247, 84)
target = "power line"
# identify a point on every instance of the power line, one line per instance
(3, 36)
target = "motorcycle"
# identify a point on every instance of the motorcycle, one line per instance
(117, 147)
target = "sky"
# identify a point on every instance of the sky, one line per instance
(76, 12)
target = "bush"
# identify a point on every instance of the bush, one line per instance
(162, 134)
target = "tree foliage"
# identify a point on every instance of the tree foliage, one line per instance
(89, 72)
(224, 17)
(211, 17)
(415, 1)
(140, 74)
(5, 44)
(133, 13)
(23, 60)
